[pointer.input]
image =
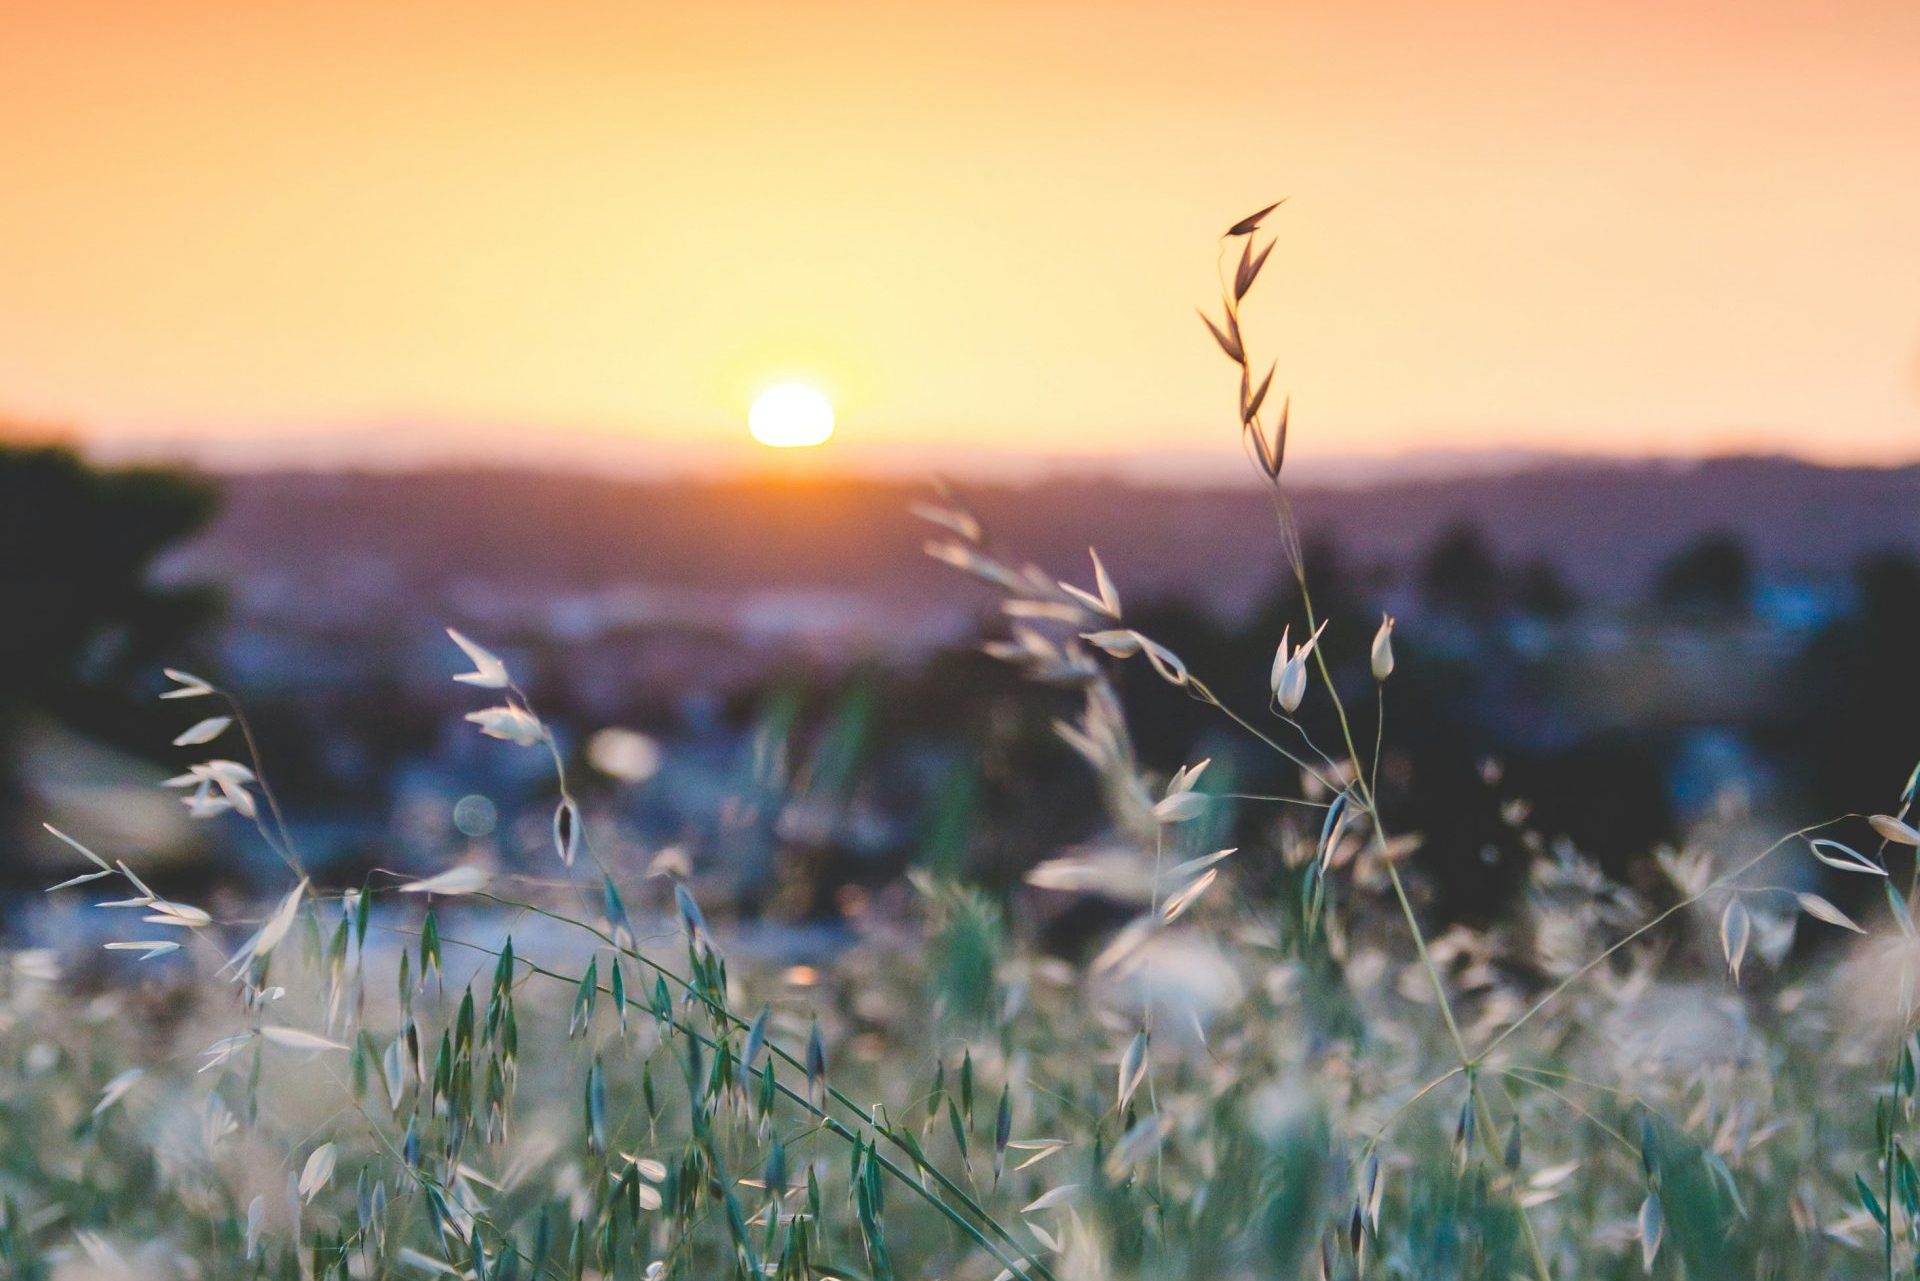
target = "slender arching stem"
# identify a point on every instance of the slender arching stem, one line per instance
(1017, 1267)
(1204, 694)
(283, 846)
(786, 1056)
(1554, 992)
(718, 1008)
(1407, 1106)
(1362, 788)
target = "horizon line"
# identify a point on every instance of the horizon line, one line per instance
(1142, 469)
(402, 447)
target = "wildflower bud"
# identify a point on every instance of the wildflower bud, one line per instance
(1180, 807)
(511, 722)
(1120, 643)
(1288, 679)
(1291, 688)
(1383, 649)
(1889, 828)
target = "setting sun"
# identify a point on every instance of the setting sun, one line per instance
(791, 415)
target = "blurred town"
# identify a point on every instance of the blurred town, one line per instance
(767, 686)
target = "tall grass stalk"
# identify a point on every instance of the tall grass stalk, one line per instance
(1238, 1084)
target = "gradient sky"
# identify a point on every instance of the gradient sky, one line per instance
(981, 226)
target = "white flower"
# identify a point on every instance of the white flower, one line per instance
(950, 518)
(1181, 801)
(1383, 649)
(1186, 776)
(148, 948)
(488, 671)
(117, 1089)
(104, 868)
(511, 722)
(202, 803)
(457, 880)
(316, 1172)
(1120, 643)
(256, 1222)
(191, 686)
(225, 1048)
(1108, 600)
(299, 1039)
(269, 935)
(1889, 828)
(225, 773)
(1062, 1195)
(229, 777)
(182, 915)
(203, 731)
(1180, 807)
(1289, 678)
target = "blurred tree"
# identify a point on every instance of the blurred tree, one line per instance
(1460, 576)
(1709, 580)
(1539, 591)
(1857, 728)
(85, 625)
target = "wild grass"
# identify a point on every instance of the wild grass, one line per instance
(513, 1074)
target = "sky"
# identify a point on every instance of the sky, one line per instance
(344, 231)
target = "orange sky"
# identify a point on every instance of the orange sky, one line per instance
(981, 226)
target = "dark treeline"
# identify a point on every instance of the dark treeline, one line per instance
(1511, 697)
(1616, 723)
(85, 629)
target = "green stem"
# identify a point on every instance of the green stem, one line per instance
(735, 1021)
(830, 1122)
(1370, 803)
(1467, 1059)
(1406, 1107)
(1206, 695)
(1886, 1173)
(1487, 1132)
(284, 846)
(1554, 992)
(718, 1008)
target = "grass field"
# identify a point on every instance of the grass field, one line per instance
(525, 1074)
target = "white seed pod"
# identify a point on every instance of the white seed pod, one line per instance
(511, 722)
(1133, 1070)
(1821, 910)
(488, 671)
(1382, 656)
(466, 879)
(203, 731)
(1892, 829)
(317, 1171)
(1736, 928)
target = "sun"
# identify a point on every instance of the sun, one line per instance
(790, 416)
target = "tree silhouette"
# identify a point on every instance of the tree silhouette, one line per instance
(1859, 692)
(1709, 580)
(84, 623)
(1540, 591)
(1460, 575)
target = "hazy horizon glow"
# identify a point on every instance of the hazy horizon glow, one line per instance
(980, 229)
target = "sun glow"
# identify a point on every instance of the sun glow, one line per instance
(791, 415)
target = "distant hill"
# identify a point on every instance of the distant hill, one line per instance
(422, 535)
